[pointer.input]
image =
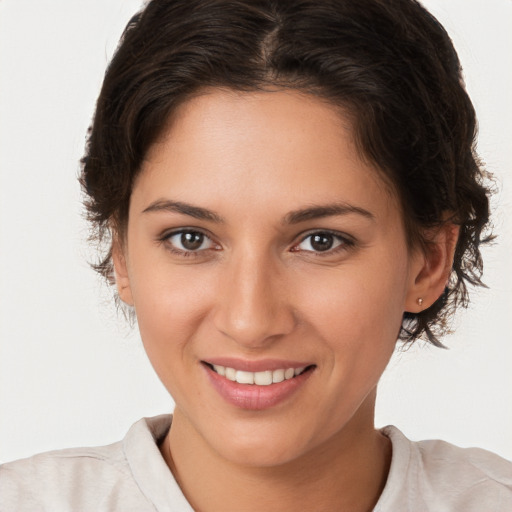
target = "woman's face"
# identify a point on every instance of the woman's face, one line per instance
(260, 245)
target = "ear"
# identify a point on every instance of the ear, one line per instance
(431, 268)
(121, 273)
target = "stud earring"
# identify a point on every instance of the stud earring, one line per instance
(419, 300)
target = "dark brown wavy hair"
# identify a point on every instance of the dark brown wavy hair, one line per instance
(388, 64)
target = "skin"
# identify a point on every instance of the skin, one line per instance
(256, 288)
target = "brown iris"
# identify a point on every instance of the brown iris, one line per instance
(322, 242)
(191, 240)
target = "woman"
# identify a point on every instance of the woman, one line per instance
(288, 188)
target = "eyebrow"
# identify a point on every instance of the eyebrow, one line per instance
(293, 217)
(184, 208)
(329, 210)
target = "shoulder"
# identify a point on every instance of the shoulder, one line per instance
(440, 476)
(77, 478)
(464, 465)
(99, 478)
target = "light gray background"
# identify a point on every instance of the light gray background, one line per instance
(72, 373)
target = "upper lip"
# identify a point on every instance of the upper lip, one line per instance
(255, 366)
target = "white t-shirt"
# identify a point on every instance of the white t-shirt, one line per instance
(131, 475)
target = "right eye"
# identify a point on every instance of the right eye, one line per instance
(188, 242)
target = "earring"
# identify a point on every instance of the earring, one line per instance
(419, 300)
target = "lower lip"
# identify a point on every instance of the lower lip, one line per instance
(252, 396)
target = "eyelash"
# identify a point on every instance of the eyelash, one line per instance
(166, 237)
(345, 242)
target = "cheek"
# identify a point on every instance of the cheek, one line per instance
(170, 304)
(358, 310)
(357, 323)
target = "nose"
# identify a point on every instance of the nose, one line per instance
(253, 305)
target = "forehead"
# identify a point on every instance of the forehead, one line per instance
(277, 147)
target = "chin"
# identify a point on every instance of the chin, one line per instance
(268, 443)
(260, 453)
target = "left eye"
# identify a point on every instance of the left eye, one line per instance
(321, 242)
(190, 241)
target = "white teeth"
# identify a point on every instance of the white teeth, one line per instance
(278, 376)
(244, 377)
(264, 378)
(221, 370)
(289, 373)
(230, 374)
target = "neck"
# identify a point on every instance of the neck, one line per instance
(348, 472)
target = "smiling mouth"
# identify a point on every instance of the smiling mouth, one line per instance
(262, 378)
